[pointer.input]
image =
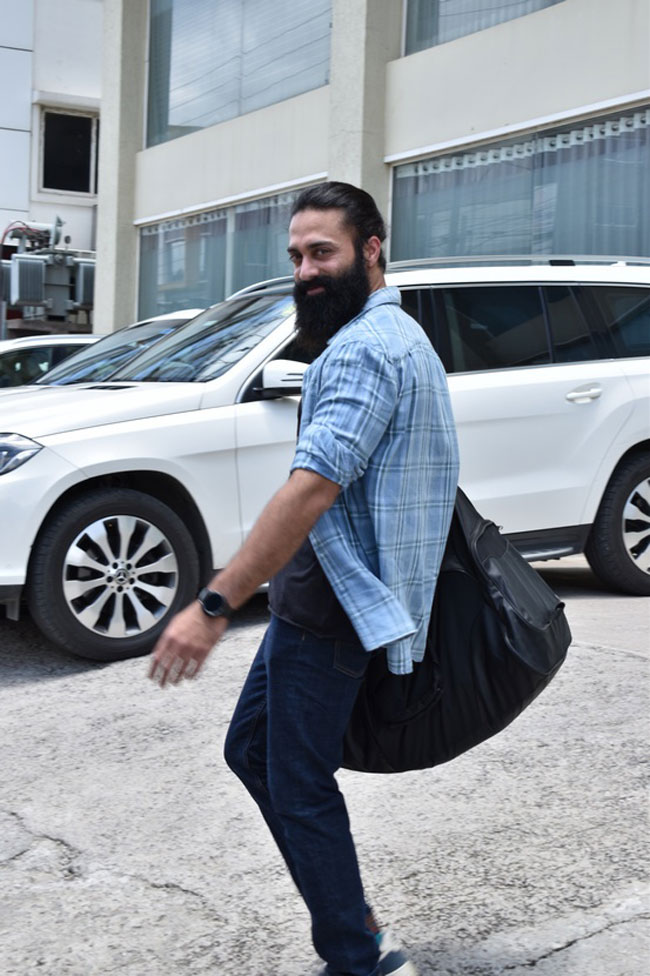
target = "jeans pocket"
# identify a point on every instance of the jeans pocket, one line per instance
(350, 658)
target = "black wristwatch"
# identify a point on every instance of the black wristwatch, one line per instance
(214, 604)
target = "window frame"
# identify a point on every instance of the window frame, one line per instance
(91, 193)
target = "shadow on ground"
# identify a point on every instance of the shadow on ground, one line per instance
(26, 655)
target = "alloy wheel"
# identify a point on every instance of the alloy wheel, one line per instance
(636, 525)
(120, 576)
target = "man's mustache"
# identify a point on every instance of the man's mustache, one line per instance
(301, 288)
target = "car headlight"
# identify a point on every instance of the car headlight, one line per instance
(15, 450)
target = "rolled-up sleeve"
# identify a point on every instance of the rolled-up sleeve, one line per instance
(357, 395)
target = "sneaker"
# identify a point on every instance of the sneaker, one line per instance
(392, 961)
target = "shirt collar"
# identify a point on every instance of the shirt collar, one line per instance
(388, 295)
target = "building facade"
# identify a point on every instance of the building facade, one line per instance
(50, 60)
(481, 127)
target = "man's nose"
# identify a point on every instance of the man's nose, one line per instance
(307, 269)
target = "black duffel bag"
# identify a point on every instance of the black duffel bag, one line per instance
(497, 636)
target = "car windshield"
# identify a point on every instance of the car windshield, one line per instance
(211, 343)
(97, 362)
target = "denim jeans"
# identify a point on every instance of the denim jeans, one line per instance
(285, 743)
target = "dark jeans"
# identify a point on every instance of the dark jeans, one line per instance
(285, 743)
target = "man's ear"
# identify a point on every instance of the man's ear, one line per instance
(371, 251)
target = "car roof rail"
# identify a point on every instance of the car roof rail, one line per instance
(271, 284)
(516, 259)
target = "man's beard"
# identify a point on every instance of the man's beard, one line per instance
(319, 317)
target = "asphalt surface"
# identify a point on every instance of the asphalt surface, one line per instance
(126, 845)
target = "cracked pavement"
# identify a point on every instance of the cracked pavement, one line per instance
(126, 846)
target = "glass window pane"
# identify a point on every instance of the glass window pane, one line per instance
(419, 304)
(572, 340)
(573, 191)
(260, 240)
(212, 343)
(59, 353)
(197, 261)
(495, 327)
(182, 263)
(626, 313)
(431, 22)
(67, 145)
(213, 61)
(23, 366)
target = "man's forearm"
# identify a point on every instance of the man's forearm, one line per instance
(278, 533)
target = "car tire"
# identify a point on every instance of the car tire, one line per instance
(109, 571)
(618, 548)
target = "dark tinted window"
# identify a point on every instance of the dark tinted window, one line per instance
(495, 327)
(420, 305)
(67, 152)
(573, 341)
(626, 314)
(21, 366)
(61, 352)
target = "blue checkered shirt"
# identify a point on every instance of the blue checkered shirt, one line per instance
(376, 420)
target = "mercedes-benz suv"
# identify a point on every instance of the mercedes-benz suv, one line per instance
(117, 498)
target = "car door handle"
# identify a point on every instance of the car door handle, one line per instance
(586, 393)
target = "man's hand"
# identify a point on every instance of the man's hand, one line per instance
(276, 536)
(185, 645)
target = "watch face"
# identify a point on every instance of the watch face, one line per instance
(212, 602)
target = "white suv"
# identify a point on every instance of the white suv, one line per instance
(119, 498)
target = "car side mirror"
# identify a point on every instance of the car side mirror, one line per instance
(280, 378)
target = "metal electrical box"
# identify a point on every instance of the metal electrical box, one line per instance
(27, 280)
(84, 284)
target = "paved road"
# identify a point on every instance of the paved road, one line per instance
(127, 847)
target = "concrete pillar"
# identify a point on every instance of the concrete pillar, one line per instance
(121, 137)
(366, 35)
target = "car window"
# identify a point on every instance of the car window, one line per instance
(19, 366)
(99, 360)
(63, 350)
(626, 313)
(495, 327)
(211, 343)
(573, 340)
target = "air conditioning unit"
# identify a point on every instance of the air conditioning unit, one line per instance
(27, 280)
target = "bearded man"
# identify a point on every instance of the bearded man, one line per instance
(352, 544)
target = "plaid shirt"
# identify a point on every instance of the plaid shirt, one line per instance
(376, 420)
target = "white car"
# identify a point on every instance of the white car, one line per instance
(27, 358)
(119, 498)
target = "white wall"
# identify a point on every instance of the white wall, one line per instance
(284, 143)
(16, 23)
(16, 31)
(571, 55)
(68, 45)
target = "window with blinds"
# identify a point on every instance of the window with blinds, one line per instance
(583, 190)
(209, 61)
(431, 22)
(193, 262)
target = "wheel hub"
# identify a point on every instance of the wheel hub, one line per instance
(120, 576)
